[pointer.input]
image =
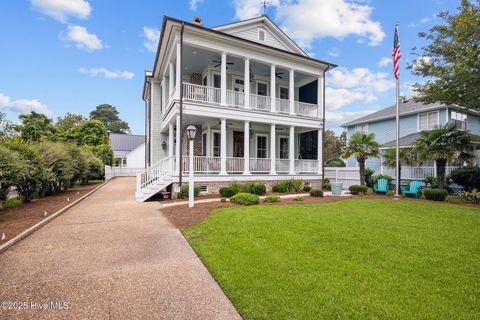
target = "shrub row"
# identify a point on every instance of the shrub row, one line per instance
(233, 188)
(183, 194)
(357, 189)
(435, 194)
(292, 185)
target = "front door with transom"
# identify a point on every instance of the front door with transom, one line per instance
(238, 142)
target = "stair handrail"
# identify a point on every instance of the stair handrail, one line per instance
(154, 172)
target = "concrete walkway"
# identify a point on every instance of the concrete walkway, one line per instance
(109, 258)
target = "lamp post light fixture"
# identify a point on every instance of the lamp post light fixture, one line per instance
(191, 131)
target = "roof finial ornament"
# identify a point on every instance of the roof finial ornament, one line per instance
(264, 4)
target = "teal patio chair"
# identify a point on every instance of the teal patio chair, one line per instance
(413, 190)
(381, 186)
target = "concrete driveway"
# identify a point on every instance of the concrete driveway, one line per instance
(109, 258)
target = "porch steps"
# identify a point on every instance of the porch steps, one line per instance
(153, 180)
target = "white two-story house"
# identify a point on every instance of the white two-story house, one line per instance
(255, 97)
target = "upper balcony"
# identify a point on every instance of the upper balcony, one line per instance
(221, 79)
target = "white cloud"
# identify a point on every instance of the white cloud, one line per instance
(334, 52)
(194, 4)
(23, 105)
(62, 9)
(306, 20)
(82, 38)
(151, 38)
(337, 98)
(337, 118)
(424, 20)
(385, 61)
(108, 74)
(362, 79)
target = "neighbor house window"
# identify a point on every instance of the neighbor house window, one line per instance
(262, 146)
(261, 35)
(460, 119)
(361, 128)
(216, 144)
(428, 121)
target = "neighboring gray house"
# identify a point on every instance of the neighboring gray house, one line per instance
(414, 117)
(128, 150)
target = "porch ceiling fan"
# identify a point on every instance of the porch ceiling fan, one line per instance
(277, 74)
(220, 62)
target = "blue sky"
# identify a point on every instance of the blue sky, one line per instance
(61, 56)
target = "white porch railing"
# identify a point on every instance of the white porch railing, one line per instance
(306, 109)
(306, 166)
(235, 164)
(282, 165)
(260, 165)
(195, 92)
(111, 172)
(154, 172)
(282, 105)
(414, 173)
(235, 98)
(260, 102)
(202, 164)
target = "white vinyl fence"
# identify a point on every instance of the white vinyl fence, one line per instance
(111, 172)
(348, 176)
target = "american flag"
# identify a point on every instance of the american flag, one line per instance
(396, 54)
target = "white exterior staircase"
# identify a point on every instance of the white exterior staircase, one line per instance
(154, 179)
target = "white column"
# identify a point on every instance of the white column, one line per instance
(246, 83)
(170, 146)
(291, 149)
(291, 91)
(320, 151)
(273, 153)
(191, 193)
(171, 79)
(164, 91)
(223, 147)
(320, 94)
(177, 146)
(272, 88)
(178, 75)
(223, 81)
(209, 141)
(246, 147)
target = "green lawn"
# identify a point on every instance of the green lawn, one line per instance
(353, 259)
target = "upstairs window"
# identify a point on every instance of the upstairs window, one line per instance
(284, 93)
(428, 121)
(460, 119)
(261, 35)
(363, 128)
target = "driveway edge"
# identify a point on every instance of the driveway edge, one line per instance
(40, 224)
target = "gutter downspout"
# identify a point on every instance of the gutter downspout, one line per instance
(181, 107)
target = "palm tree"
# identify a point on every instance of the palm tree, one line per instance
(362, 146)
(447, 143)
(406, 159)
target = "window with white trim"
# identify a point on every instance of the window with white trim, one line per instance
(460, 119)
(363, 128)
(261, 35)
(262, 147)
(428, 121)
(216, 144)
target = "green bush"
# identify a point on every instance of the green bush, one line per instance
(369, 181)
(357, 189)
(183, 194)
(307, 188)
(431, 182)
(292, 185)
(435, 194)
(256, 187)
(246, 199)
(473, 196)
(335, 162)
(223, 199)
(468, 177)
(326, 184)
(272, 198)
(316, 193)
(12, 202)
(229, 191)
(381, 176)
(298, 198)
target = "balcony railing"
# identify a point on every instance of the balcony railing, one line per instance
(306, 109)
(260, 102)
(260, 165)
(235, 164)
(235, 98)
(282, 105)
(282, 165)
(195, 92)
(310, 166)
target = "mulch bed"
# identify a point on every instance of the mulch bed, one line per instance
(15, 220)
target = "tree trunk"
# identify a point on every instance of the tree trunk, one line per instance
(441, 164)
(361, 165)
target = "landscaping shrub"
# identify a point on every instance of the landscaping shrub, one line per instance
(12, 202)
(357, 189)
(369, 181)
(435, 194)
(256, 187)
(316, 193)
(292, 185)
(326, 184)
(307, 188)
(431, 182)
(183, 194)
(229, 191)
(271, 198)
(223, 199)
(335, 162)
(468, 177)
(381, 176)
(298, 198)
(473, 196)
(246, 199)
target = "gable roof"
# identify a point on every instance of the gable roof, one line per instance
(407, 107)
(238, 28)
(124, 143)
(409, 140)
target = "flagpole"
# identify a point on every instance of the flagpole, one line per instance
(397, 144)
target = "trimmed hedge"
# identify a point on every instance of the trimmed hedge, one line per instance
(357, 189)
(307, 188)
(316, 193)
(435, 194)
(233, 188)
(246, 199)
(271, 198)
(468, 177)
(183, 194)
(292, 185)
